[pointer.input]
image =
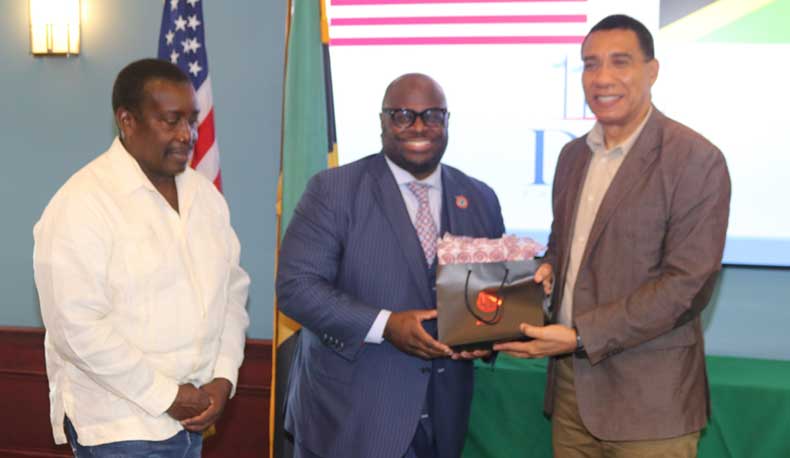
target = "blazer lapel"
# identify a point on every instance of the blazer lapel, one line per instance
(463, 206)
(457, 221)
(389, 198)
(638, 161)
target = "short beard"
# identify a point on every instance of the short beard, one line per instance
(419, 169)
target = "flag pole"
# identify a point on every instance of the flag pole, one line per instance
(278, 231)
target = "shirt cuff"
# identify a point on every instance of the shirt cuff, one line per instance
(157, 399)
(228, 369)
(376, 333)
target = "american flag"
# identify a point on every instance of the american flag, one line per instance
(182, 42)
(457, 22)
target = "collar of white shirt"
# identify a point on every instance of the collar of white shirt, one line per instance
(129, 177)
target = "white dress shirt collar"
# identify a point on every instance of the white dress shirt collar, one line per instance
(434, 182)
(130, 177)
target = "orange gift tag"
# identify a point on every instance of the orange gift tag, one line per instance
(488, 302)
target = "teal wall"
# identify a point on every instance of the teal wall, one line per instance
(55, 116)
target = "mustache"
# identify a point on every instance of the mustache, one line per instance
(180, 149)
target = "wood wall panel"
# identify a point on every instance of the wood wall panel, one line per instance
(242, 432)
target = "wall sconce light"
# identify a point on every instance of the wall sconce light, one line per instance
(54, 27)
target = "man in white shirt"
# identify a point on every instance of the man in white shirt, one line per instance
(358, 271)
(141, 292)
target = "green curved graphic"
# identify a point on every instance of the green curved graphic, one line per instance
(770, 24)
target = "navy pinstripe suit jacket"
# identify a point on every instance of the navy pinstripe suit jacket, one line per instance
(350, 251)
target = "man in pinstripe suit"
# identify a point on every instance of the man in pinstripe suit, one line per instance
(357, 270)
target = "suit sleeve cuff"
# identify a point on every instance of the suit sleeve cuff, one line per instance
(376, 332)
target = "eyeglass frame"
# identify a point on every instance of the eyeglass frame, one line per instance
(415, 114)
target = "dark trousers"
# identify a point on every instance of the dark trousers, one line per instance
(422, 446)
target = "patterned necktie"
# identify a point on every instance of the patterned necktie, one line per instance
(425, 226)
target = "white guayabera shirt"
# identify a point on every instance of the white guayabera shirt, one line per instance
(136, 298)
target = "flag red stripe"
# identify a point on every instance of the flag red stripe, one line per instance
(205, 138)
(414, 2)
(501, 40)
(528, 19)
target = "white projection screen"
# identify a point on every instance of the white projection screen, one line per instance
(512, 74)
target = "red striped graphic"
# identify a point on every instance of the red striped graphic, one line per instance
(501, 40)
(415, 2)
(457, 22)
(523, 19)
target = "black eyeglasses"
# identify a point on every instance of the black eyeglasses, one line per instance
(404, 117)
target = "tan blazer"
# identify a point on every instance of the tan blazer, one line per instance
(648, 270)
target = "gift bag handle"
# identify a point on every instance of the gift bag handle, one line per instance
(499, 310)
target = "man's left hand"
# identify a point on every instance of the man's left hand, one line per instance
(554, 339)
(219, 392)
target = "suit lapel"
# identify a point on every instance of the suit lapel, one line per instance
(457, 221)
(389, 198)
(638, 161)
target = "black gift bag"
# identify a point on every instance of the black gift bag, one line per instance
(483, 303)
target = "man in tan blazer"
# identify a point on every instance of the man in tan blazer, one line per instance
(641, 205)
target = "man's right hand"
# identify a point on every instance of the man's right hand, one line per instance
(190, 402)
(405, 331)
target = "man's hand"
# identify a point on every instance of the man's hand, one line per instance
(405, 331)
(554, 339)
(218, 390)
(545, 275)
(189, 402)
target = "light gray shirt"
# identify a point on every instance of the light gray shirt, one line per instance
(603, 167)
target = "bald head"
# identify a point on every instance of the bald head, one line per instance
(414, 123)
(413, 86)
